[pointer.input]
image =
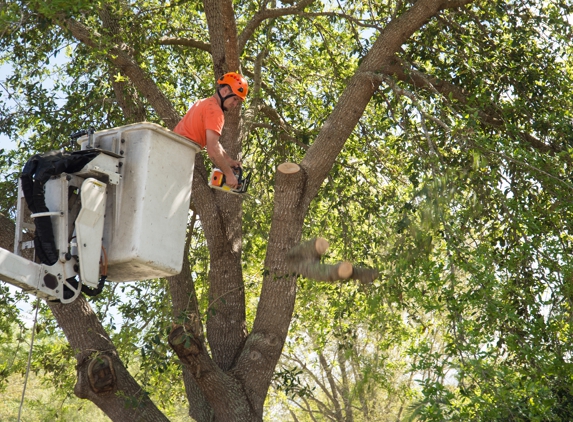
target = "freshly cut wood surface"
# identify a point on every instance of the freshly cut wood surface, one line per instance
(288, 168)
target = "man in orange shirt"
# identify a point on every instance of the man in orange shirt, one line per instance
(204, 122)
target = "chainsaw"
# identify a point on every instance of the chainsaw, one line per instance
(217, 181)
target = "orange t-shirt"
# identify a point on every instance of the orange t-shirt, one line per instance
(204, 114)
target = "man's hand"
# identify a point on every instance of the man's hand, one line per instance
(231, 180)
(221, 159)
(233, 163)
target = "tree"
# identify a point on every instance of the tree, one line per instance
(459, 103)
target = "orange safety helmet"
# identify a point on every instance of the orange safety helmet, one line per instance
(238, 84)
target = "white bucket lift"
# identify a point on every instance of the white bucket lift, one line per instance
(134, 199)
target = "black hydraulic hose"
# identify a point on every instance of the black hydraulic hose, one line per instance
(35, 175)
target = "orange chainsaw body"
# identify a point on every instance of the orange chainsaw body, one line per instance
(217, 181)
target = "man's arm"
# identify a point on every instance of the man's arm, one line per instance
(230, 161)
(220, 157)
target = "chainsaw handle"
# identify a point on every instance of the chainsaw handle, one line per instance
(238, 170)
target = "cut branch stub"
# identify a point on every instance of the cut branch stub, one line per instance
(304, 259)
(101, 374)
(288, 168)
(184, 344)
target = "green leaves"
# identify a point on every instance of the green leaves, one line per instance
(67, 7)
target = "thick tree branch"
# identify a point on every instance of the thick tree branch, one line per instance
(221, 215)
(312, 249)
(214, 15)
(226, 327)
(274, 312)
(266, 14)
(232, 50)
(120, 57)
(322, 154)
(185, 42)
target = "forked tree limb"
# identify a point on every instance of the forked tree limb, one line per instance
(304, 259)
(186, 340)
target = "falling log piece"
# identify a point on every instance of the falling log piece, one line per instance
(324, 272)
(364, 275)
(304, 259)
(312, 249)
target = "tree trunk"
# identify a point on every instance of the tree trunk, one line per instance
(345, 388)
(102, 377)
(326, 368)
